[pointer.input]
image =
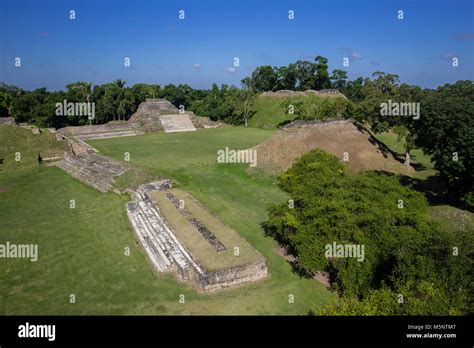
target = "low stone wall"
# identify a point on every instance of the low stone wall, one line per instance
(98, 128)
(331, 93)
(7, 121)
(225, 278)
(328, 122)
(202, 122)
(208, 235)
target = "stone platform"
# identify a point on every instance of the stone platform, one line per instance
(169, 251)
(92, 169)
(102, 131)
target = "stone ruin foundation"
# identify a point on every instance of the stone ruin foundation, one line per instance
(167, 253)
(153, 115)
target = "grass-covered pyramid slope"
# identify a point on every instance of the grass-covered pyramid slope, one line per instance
(21, 143)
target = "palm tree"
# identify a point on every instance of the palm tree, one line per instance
(86, 89)
(119, 83)
(153, 90)
(7, 102)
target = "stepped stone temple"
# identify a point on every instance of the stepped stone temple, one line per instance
(153, 115)
(205, 253)
(160, 115)
(177, 233)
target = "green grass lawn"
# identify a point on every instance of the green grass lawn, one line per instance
(269, 112)
(81, 250)
(22, 142)
(417, 155)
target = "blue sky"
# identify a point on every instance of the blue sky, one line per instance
(200, 49)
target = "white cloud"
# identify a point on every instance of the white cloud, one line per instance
(230, 70)
(356, 55)
(197, 66)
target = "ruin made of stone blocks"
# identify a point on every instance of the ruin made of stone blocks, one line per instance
(153, 115)
(102, 131)
(284, 93)
(179, 246)
(7, 121)
(93, 169)
(156, 115)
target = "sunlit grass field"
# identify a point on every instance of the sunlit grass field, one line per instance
(82, 250)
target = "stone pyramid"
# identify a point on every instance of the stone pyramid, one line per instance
(160, 114)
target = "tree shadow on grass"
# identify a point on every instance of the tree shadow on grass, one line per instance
(434, 189)
(386, 151)
(284, 123)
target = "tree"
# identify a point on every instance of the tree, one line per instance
(338, 79)
(330, 206)
(353, 89)
(405, 252)
(7, 102)
(119, 83)
(244, 101)
(445, 130)
(403, 134)
(306, 75)
(286, 77)
(86, 89)
(110, 101)
(264, 78)
(423, 298)
(153, 91)
(322, 75)
(126, 105)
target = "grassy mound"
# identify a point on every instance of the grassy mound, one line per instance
(274, 111)
(341, 138)
(16, 140)
(269, 112)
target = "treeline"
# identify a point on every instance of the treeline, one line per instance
(404, 265)
(443, 126)
(113, 101)
(116, 101)
(306, 75)
(440, 122)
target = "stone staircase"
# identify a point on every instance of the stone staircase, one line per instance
(177, 123)
(92, 169)
(160, 243)
(108, 135)
(78, 148)
(102, 131)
